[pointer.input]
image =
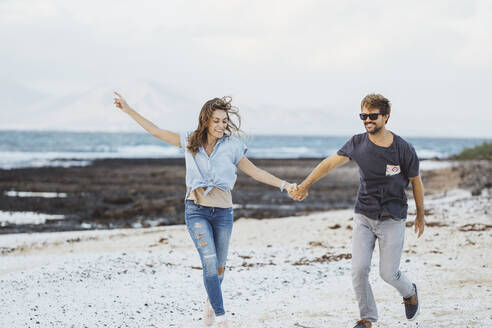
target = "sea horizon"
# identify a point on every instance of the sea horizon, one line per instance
(32, 148)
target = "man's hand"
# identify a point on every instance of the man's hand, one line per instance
(419, 225)
(418, 195)
(300, 193)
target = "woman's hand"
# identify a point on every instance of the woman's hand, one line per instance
(121, 103)
(291, 187)
(165, 135)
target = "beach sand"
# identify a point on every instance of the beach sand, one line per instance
(288, 272)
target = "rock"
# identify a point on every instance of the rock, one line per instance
(476, 192)
(117, 200)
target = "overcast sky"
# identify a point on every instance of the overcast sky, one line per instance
(432, 59)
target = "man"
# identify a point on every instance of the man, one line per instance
(386, 165)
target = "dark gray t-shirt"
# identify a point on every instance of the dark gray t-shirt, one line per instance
(384, 173)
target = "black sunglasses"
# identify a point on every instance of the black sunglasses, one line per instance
(373, 116)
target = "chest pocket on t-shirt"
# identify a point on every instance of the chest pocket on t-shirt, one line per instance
(392, 170)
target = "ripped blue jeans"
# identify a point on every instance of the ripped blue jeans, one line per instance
(211, 228)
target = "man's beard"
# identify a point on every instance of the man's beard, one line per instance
(375, 130)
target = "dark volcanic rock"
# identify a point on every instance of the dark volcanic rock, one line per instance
(476, 176)
(115, 193)
(117, 200)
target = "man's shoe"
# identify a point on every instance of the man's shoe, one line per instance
(412, 305)
(363, 324)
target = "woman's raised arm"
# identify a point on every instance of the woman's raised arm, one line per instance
(165, 135)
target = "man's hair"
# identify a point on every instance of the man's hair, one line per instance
(378, 101)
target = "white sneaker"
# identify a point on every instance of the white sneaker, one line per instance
(208, 314)
(222, 322)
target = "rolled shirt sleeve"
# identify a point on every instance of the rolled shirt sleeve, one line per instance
(240, 150)
(183, 140)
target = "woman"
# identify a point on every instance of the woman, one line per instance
(211, 155)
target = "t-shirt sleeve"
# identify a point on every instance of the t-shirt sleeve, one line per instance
(411, 162)
(240, 150)
(348, 149)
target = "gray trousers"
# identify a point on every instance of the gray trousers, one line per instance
(391, 234)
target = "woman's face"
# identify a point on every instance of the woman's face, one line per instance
(217, 124)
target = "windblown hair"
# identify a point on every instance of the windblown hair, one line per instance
(378, 101)
(198, 137)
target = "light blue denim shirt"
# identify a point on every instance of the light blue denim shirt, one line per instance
(218, 170)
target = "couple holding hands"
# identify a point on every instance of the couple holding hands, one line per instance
(387, 164)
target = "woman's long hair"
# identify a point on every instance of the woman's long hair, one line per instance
(199, 137)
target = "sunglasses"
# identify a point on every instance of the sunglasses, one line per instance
(372, 117)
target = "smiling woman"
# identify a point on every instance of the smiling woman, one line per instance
(212, 156)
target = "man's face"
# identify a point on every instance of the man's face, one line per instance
(373, 126)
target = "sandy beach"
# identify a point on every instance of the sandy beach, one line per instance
(286, 272)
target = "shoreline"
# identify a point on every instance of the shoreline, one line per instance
(133, 193)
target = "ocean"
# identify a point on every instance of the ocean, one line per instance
(19, 149)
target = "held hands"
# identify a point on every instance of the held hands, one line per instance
(121, 103)
(298, 192)
(301, 193)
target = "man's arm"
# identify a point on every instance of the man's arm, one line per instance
(319, 172)
(418, 195)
